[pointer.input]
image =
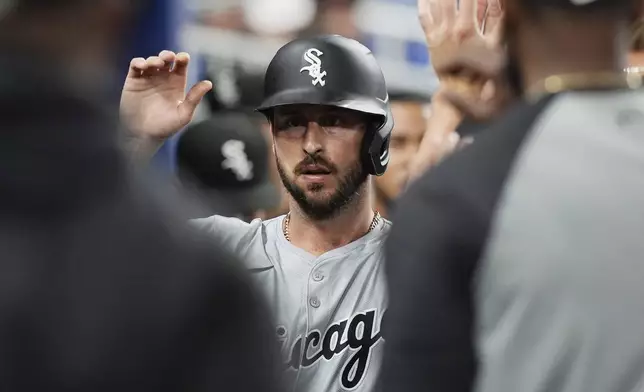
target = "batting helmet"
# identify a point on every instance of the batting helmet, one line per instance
(336, 71)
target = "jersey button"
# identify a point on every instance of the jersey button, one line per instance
(318, 276)
(315, 302)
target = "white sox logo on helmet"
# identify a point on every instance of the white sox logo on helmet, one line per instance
(312, 56)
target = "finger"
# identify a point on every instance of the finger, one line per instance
(137, 67)
(181, 64)
(168, 58)
(425, 15)
(154, 62)
(447, 13)
(154, 66)
(471, 107)
(188, 106)
(466, 18)
(481, 13)
(431, 20)
(494, 21)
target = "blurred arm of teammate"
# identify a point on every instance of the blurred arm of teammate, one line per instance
(451, 32)
(430, 327)
(154, 103)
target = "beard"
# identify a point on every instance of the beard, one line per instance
(348, 189)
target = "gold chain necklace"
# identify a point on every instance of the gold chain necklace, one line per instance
(374, 223)
(585, 81)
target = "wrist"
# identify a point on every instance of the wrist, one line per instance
(461, 85)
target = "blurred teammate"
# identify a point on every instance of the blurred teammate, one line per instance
(516, 265)
(100, 287)
(321, 265)
(227, 157)
(410, 112)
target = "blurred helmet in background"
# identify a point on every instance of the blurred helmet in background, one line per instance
(278, 17)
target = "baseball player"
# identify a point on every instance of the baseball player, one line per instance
(321, 265)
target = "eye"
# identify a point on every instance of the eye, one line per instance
(331, 121)
(290, 123)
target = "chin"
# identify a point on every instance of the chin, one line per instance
(318, 184)
(319, 194)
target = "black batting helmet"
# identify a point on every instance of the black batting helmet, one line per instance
(336, 71)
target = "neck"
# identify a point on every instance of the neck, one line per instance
(381, 202)
(551, 48)
(318, 237)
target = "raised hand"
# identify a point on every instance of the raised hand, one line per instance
(450, 28)
(457, 37)
(154, 103)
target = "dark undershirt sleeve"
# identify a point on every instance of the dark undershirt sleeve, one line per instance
(440, 229)
(431, 253)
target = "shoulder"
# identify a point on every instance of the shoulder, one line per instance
(476, 174)
(452, 205)
(234, 227)
(247, 239)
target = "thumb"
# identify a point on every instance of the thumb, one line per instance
(188, 106)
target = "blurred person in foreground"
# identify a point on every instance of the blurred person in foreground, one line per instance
(321, 265)
(516, 264)
(102, 288)
(411, 112)
(227, 157)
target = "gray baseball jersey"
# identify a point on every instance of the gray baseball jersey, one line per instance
(328, 310)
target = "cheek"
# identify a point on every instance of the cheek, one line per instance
(344, 152)
(287, 154)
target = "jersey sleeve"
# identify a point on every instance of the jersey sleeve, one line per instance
(233, 234)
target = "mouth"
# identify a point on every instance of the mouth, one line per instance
(314, 170)
(314, 173)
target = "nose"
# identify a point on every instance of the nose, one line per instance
(313, 139)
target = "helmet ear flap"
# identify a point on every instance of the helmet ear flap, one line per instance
(375, 147)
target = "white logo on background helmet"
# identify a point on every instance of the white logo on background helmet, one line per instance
(312, 56)
(236, 160)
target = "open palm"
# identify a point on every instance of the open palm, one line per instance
(154, 103)
(450, 28)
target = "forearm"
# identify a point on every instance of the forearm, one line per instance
(140, 149)
(445, 117)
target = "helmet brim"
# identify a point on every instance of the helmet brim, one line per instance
(307, 96)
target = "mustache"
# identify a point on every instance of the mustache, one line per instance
(314, 160)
